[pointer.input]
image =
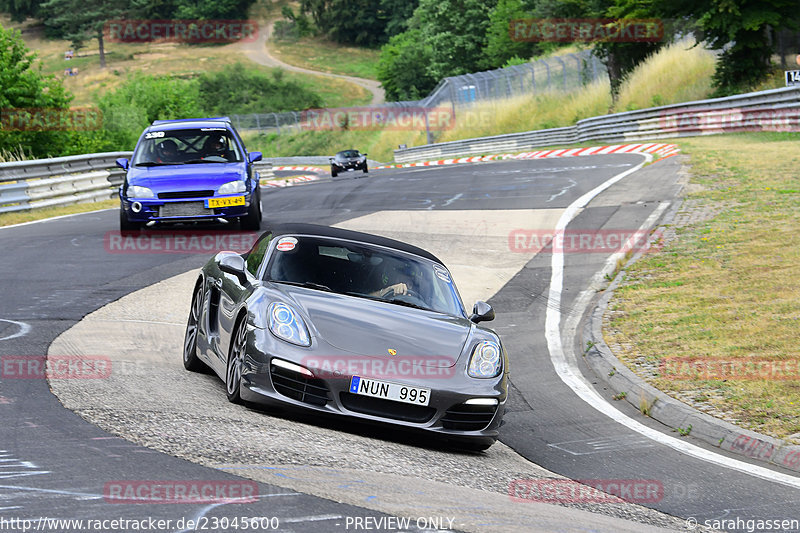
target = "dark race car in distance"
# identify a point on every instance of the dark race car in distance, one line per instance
(349, 324)
(190, 170)
(348, 161)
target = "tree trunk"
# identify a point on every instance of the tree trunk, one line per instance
(101, 48)
(614, 76)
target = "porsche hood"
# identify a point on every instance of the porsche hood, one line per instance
(377, 329)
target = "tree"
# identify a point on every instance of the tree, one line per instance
(397, 14)
(500, 48)
(347, 21)
(82, 20)
(362, 22)
(402, 68)
(24, 88)
(619, 58)
(20, 9)
(743, 29)
(455, 31)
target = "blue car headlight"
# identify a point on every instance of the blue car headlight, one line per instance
(485, 361)
(232, 187)
(135, 191)
(286, 324)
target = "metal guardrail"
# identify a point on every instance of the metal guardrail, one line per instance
(559, 73)
(59, 181)
(68, 180)
(773, 110)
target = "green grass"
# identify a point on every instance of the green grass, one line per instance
(326, 56)
(8, 219)
(726, 289)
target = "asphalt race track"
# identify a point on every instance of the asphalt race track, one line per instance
(55, 464)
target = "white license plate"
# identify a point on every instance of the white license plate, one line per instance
(350, 169)
(389, 391)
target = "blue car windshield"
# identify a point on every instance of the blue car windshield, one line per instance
(364, 270)
(187, 146)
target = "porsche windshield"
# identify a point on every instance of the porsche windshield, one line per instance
(364, 271)
(348, 154)
(188, 146)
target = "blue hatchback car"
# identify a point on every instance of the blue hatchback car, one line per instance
(191, 170)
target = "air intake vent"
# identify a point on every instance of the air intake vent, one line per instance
(299, 387)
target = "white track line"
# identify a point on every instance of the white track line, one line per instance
(571, 376)
(56, 218)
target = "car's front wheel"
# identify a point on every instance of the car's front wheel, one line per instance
(190, 359)
(126, 225)
(333, 172)
(366, 170)
(233, 373)
(252, 220)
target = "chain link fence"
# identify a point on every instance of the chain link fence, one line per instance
(563, 73)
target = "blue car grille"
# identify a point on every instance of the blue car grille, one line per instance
(299, 387)
(184, 194)
(464, 417)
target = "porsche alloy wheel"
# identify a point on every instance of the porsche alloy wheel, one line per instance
(190, 359)
(233, 374)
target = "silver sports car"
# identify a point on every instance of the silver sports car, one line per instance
(350, 324)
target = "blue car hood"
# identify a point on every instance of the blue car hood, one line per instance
(186, 177)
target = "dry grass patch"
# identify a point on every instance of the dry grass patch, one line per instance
(8, 219)
(726, 289)
(680, 72)
(168, 59)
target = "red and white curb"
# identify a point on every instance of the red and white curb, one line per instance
(296, 179)
(660, 150)
(302, 169)
(288, 182)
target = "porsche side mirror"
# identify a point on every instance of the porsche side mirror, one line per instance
(233, 264)
(482, 312)
(122, 163)
(255, 156)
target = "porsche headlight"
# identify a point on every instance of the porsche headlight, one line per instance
(486, 361)
(135, 191)
(232, 187)
(286, 324)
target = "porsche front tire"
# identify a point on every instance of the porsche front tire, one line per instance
(233, 371)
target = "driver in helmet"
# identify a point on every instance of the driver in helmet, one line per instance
(216, 146)
(167, 151)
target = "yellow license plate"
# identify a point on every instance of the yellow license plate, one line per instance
(229, 201)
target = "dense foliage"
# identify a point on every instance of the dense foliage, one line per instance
(456, 36)
(23, 87)
(362, 22)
